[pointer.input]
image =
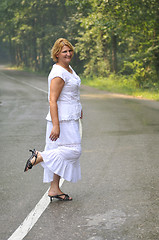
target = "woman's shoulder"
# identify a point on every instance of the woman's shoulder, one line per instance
(56, 71)
(56, 68)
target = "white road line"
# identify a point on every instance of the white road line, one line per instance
(32, 218)
(30, 85)
(26, 83)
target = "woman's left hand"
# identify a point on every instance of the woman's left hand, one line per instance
(55, 132)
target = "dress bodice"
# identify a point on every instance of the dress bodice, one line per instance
(69, 106)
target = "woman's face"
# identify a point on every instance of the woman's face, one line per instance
(65, 55)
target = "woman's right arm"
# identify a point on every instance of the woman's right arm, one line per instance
(56, 87)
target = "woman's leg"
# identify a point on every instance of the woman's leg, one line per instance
(54, 188)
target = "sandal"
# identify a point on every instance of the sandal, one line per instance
(29, 165)
(66, 198)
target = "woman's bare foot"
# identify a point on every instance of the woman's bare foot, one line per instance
(53, 192)
(38, 159)
(57, 192)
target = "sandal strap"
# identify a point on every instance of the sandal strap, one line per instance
(65, 198)
(34, 154)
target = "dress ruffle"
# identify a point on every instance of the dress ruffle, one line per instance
(63, 161)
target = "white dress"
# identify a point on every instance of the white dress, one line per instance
(62, 156)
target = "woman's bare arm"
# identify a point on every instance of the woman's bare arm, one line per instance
(56, 87)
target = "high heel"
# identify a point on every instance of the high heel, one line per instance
(29, 165)
(66, 198)
(51, 198)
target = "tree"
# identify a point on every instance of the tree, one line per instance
(114, 33)
(119, 36)
(30, 27)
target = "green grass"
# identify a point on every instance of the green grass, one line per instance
(122, 85)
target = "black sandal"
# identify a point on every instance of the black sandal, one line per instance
(66, 198)
(29, 165)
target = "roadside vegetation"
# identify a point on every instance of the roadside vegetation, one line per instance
(122, 85)
(116, 41)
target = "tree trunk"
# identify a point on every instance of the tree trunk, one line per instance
(34, 44)
(156, 40)
(114, 53)
(12, 52)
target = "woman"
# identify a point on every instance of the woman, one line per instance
(63, 143)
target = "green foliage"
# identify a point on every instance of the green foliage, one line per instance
(123, 85)
(31, 27)
(119, 36)
(110, 36)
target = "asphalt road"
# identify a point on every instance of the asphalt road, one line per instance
(118, 196)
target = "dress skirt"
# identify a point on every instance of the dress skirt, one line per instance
(62, 156)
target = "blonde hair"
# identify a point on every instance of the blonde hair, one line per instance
(58, 45)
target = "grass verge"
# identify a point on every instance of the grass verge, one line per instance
(114, 84)
(122, 85)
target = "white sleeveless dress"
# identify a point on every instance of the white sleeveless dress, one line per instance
(62, 156)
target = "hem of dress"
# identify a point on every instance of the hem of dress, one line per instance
(61, 176)
(61, 171)
(72, 181)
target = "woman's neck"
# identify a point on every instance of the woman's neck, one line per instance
(65, 66)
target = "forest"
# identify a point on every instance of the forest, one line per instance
(109, 36)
